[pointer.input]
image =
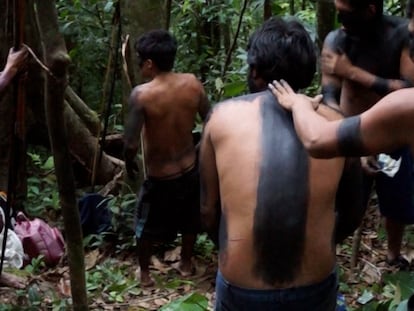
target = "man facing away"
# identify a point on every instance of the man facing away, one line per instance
(361, 62)
(165, 109)
(268, 204)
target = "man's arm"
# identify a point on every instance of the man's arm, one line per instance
(210, 193)
(132, 133)
(349, 205)
(331, 83)
(341, 66)
(203, 106)
(15, 63)
(383, 128)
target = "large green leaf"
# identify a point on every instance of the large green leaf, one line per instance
(404, 280)
(191, 302)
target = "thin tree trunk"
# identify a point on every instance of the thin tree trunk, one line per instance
(267, 9)
(57, 59)
(325, 14)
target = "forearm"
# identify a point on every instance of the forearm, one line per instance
(379, 85)
(210, 221)
(5, 79)
(314, 132)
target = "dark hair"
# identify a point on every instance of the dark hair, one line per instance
(282, 49)
(410, 8)
(159, 46)
(362, 4)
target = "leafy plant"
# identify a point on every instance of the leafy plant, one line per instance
(190, 302)
(36, 265)
(113, 281)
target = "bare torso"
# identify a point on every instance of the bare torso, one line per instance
(380, 54)
(171, 102)
(277, 221)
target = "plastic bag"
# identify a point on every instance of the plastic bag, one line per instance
(14, 253)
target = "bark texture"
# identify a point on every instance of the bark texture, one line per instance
(57, 59)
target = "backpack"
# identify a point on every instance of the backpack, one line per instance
(38, 238)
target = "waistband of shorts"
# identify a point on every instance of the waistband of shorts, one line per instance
(179, 174)
(283, 294)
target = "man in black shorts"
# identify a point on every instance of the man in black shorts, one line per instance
(362, 61)
(164, 109)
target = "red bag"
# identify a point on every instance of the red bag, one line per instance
(38, 238)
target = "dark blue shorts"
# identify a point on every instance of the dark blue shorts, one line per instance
(168, 206)
(395, 194)
(318, 297)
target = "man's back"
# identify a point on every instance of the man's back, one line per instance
(170, 103)
(277, 204)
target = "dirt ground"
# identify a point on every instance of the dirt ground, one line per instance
(53, 284)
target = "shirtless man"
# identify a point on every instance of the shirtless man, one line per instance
(361, 62)
(165, 109)
(384, 127)
(263, 199)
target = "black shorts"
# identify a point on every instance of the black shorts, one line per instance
(166, 207)
(395, 194)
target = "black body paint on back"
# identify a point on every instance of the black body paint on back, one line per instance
(282, 197)
(349, 137)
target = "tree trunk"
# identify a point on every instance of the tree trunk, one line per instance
(82, 146)
(57, 60)
(267, 9)
(325, 14)
(89, 117)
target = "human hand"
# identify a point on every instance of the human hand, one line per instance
(370, 165)
(132, 169)
(287, 97)
(16, 61)
(336, 63)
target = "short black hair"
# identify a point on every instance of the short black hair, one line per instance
(362, 4)
(283, 49)
(410, 8)
(159, 46)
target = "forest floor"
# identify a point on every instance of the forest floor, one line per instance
(112, 282)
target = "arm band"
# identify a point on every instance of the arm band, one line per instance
(349, 137)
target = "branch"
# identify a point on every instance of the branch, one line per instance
(233, 46)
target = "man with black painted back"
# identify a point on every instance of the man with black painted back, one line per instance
(271, 207)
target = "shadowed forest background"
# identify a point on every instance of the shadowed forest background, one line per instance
(76, 92)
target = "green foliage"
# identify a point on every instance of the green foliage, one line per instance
(112, 281)
(36, 266)
(392, 296)
(204, 247)
(42, 192)
(190, 302)
(86, 25)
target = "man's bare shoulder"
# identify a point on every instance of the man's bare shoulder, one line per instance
(190, 80)
(138, 94)
(333, 39)
(231, 106)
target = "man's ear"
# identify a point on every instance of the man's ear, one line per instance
(150, 63)
(253, 72)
